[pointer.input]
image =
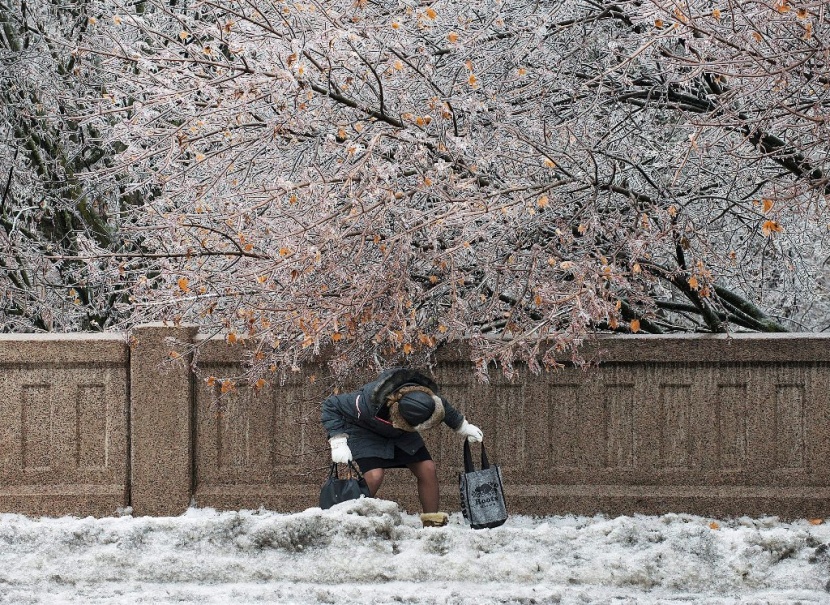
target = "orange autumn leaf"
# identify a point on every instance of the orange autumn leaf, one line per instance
(431, 13)
(816, 521)
(174, 355)
(260, 383)
(443, 329)
(767, 205)
(407, 349)
(227, 386)
(452, 37)
(231, 338)
(183, 284)
(210, 380)
(693, 283)
(770, 227)
(426, 340)
(635, 325)
(714, 525)
(337, 337)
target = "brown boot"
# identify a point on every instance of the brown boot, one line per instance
(434, 519)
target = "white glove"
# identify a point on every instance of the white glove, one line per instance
(471, 432)
(340, 451)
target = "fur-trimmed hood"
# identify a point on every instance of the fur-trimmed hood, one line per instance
(379, 391)
(392, 385)
(397, 419)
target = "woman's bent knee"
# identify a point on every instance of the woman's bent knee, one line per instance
(373, 479)
(424, 469)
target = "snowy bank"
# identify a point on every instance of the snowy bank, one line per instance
(369, 551)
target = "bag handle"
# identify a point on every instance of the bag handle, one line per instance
(333, 471)
(468, 458)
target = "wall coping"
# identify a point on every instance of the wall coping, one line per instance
(795, 347)
(39, 348)
(64, 336)
(711, 348)
(742, 347)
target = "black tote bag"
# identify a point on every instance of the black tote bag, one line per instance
(336, 490)
(482, 493)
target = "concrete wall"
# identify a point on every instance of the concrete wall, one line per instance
(703, 424)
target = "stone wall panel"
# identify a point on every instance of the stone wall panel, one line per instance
(63, 425)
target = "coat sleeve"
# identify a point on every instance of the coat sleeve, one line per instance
(452, 417)
(335, 413)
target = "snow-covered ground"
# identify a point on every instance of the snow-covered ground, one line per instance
(368, 551)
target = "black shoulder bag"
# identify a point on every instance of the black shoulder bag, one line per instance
(336, 490)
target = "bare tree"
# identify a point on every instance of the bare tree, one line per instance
(385, 178)
(47, 214)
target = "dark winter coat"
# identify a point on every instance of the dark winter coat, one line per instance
(355, 414)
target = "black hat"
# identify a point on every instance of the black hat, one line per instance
(416, 407)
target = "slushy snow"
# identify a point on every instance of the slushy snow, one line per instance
(370, 551)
